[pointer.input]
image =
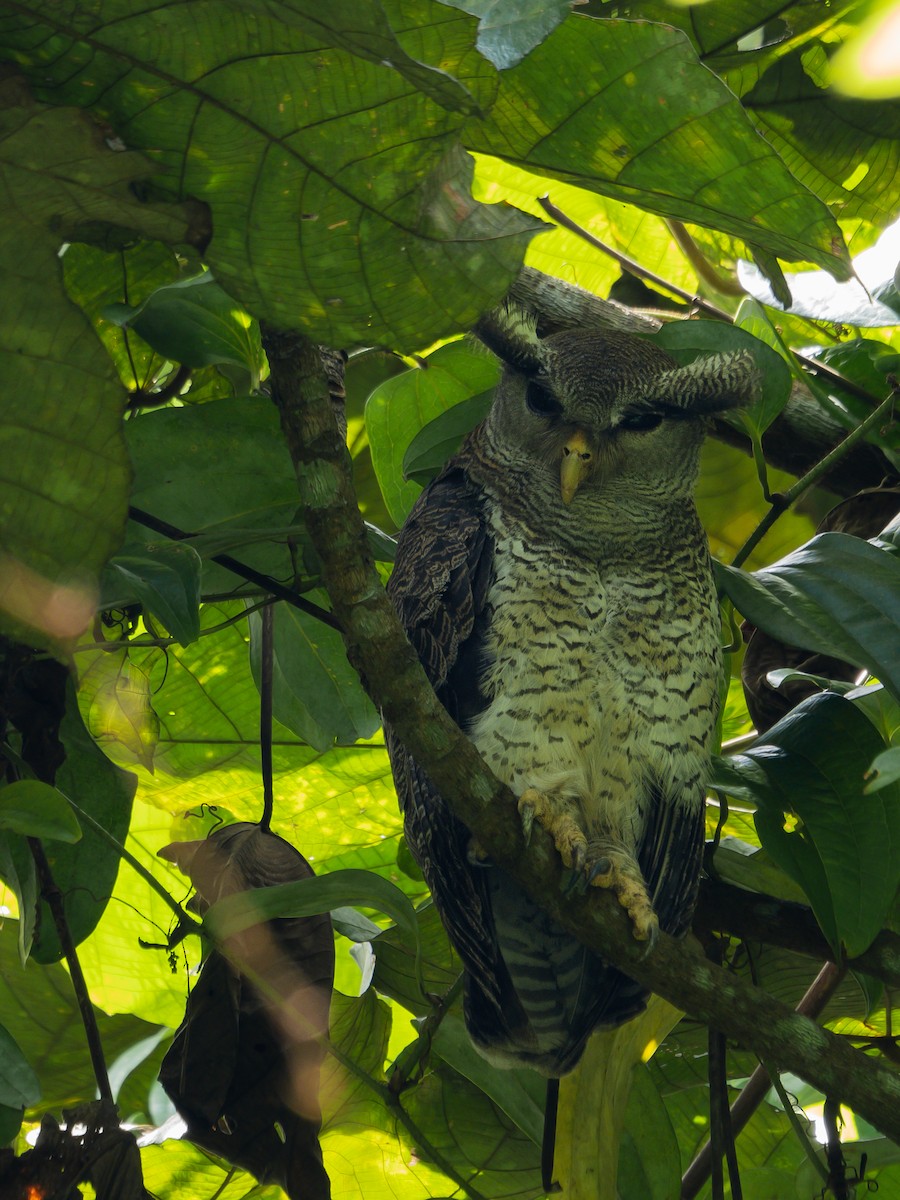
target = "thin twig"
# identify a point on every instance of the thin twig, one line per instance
(266, 655)
(782, 501)
(163, 642)
(54, 898)
(791, 1114)
(754, 1090)
(697, 302)
(185, 920)
(278, 590)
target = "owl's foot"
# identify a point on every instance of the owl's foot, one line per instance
(561, 817)
(614, 868)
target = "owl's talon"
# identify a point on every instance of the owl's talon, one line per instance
(602, 866)
(526, 813)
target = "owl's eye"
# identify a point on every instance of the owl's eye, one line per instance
(541, 401)
(641, 422)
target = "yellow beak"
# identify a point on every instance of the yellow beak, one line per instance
(576, 465)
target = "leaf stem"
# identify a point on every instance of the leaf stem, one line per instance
(278, 590)
(53, 896)
(185, 920)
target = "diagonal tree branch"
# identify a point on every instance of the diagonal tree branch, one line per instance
(377, 646)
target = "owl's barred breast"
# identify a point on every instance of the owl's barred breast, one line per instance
(601, 677)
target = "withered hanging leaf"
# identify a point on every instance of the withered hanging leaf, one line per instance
(91, 1147)
(863, 515)
(243, 1070)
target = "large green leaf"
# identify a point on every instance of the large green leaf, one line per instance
(333, 206)
(41, 1013)
(19, 1086)
(626, 109)
(844, 149)
(195, 323)
(165, 578)
(56, 176)
(86, 871)
(315, 691)
(842, 847)
(836, 595)
(398, 409)
(36, 809)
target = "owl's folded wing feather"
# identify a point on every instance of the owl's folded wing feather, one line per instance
(439, 587)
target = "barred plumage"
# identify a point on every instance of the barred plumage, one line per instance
(555, 581)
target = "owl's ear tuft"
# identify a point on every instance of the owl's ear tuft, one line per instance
(711, 384)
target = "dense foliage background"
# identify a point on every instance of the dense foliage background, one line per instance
(372, 175)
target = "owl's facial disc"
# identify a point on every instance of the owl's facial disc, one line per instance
(577, 463)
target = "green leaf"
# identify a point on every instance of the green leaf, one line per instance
(165, 578)
(55, 172)
(36, 809)
(442, 437)
(40, 1011)
(119, 712)
(196, 323)
(19, 1086)
(18, 871)
(10, 1124)
(315, 691)
(842, 148)
(521, 1094)
(395, 962)
(508, 30)
(86, 871)
(321, 894)
(649, 1158)
(836, 595)
(365, 31)
(625, 108)
(842, 848)
(95, 278)
(886, 770)
(332, 208)
(687, 340)
(398, 409)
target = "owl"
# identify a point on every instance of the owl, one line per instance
(555, 581)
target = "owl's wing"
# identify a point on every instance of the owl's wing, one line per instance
(439, 587)
(671, 856)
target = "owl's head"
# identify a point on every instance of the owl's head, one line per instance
(608, 416)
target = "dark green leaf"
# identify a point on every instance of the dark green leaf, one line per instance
(841, 844)
(395, 962)
(364, 30)
(836, 595)
(649, 1159)
(315, 692)
(196, 323)
(19, 1086)
(10, 1123)
(165, 578)
(333, 208)
(399, 408)
(85, 872)
(886, 770)
(625, 108)
(442, 437)
(36, 809)
(40, 1011)
(18, 871)
(521, 1094)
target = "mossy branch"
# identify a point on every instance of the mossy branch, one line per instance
(378, 647)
